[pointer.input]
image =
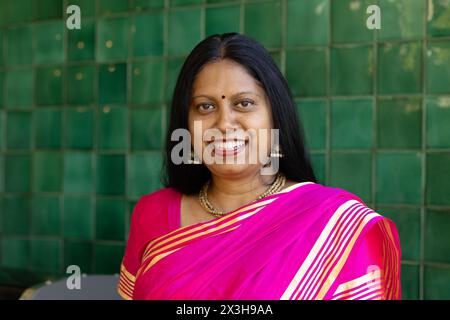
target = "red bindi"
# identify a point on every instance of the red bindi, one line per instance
(223, 97)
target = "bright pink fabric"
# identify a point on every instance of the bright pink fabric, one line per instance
(264, 253)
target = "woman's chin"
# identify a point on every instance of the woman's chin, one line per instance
(229, 170)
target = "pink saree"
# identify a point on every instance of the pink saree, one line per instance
(306, 242)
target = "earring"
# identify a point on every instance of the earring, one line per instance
(277, 152)
(194, 159)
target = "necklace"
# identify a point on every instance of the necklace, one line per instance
(276, 186)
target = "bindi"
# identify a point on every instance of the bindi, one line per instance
(223, 97)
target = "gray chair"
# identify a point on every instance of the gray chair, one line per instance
(93, 287)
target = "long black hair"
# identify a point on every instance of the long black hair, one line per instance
(296, 165)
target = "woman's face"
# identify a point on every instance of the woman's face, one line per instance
(228, 100)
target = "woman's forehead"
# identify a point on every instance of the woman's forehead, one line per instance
(225, 75)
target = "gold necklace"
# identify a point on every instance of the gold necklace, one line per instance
(276, 186)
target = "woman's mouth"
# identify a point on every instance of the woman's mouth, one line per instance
(228, 148)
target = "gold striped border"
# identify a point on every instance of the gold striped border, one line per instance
(125, 286)
(299, 281)
(352, 284)
(392, 269)
(338, 267)
(175, 234)
(159, 249)
(157, 257)
(188, 229)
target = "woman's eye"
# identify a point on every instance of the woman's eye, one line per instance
(205, 106)
(246, 103)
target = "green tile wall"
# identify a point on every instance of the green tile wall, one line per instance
(83, 115)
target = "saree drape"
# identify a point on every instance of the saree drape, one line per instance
(307, 242)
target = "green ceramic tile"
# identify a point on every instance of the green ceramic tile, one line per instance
(349, 21)
(410, 282)
(48, 9)
(399, 123)
(313, 117)
(174, 3)
(110, 219)
(79, 124)
(49, 42)
(113, 128)
(399, 68)
(144, 176)
(47, 128)
(437, 242)
(222, 20)
(78, 172)
(113, 83)
(2, 91)
(17, 173)
(147, 84)
(184, 30)
(439, 21)
(108, 257)
(146, 129)
(408, 226)
(437, 283)
(401, 19)
(20, 11)
(438, 118)
(16, 216)
(79, 253)
(358, 166)
(307, 22)
(220, 1)
(113, 39)
(19, 46)
(398, 178)
(260, 14)
(47, 171)
(351, 124)
(80, 85)
(113, 6)
(438, 178)
(358, 81)
(78, 217)
(438, 67)
(173, 69)
(15, 253)
(45, 255)
(2, 178)
(107, 183)
(306, 72)
(2, 46)
(318, 163)
(81, 43)
(19, 88)
(145, 27)
(46, 216)
(276, 56)
(87, 7)
(148, 4)
(18, 130)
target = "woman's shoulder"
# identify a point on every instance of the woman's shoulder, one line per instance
(151, 205)
(158, 197)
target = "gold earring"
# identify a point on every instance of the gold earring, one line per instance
(276, 153)
(194, 159)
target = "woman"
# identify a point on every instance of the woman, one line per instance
(228, 230)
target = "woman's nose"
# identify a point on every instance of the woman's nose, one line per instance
(226, 119)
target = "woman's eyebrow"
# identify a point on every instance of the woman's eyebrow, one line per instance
(233, 96)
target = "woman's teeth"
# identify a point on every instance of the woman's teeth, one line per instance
(229, 145)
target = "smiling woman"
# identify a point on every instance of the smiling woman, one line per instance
(229, 230)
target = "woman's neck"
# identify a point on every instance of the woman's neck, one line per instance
(230, 194)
